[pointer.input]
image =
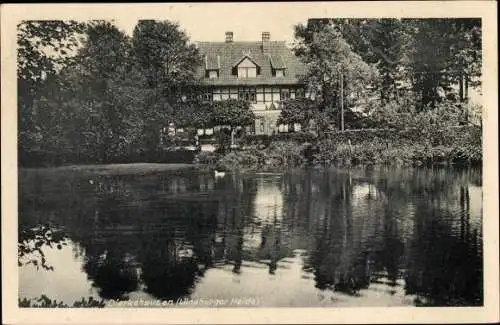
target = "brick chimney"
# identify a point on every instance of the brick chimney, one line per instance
(229, 37)
(266, 37)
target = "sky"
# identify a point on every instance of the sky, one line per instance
(210, 21)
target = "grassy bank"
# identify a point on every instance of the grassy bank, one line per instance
(457, 146)
(47, 158)
(112, 169)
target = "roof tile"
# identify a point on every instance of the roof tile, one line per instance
(212, 62)
(277, 62)
(276, 56)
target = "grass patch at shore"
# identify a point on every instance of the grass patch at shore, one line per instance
(114, 169)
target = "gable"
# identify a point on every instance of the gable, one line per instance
(246, 63)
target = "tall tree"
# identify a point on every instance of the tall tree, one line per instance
(233, 113)
(386, 40)
(299, 110)
(106, 91)
(442, 53)
(336, 75)
(44, 48)
(169, 63)
(379, 42)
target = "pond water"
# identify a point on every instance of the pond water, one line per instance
(302, 238)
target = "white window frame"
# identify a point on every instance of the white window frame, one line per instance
(281, 71)
(213, 74)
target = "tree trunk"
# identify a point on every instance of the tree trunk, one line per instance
(461, 88)
(466, 95)
(342, 101)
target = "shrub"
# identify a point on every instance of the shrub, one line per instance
(241, 160)
(206, 158)
(278, 154)
(286, 154)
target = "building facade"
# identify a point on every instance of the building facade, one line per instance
(263, 72)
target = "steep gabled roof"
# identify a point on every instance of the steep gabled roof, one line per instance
(276, 56)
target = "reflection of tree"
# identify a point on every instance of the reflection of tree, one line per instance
(271, 246)
(167, 275)
(201, 232)
(130, 235)
(162, 233)
(392, 251)
(443, 266)
(112, 274)
(234, 214)
(33, 240)
(362, 241)
(443, 256)
(338, 259)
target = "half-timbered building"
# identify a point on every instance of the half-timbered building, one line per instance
(262, 72)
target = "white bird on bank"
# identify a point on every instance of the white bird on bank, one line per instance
(219, 174)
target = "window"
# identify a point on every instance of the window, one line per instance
(251, 128)
(247, 72)
(247, 94)
(213, 74)
(279, 73)
(285, 94)
(260, 97)
(217, 94)
(283, 128)
(270, 95)
(207, 96)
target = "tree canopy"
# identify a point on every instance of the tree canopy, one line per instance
(103, 95)
(335, 74)
(233, 113)
(421, 55)
(89, 92)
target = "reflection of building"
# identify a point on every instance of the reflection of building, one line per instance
(268, 202)
(263, 72)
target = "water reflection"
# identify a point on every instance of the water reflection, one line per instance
(352, 237)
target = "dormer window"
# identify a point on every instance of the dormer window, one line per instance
(279, 73)
(247, 72)
(246, 68)
(278, 65)
(212, 66)
(212, 74)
